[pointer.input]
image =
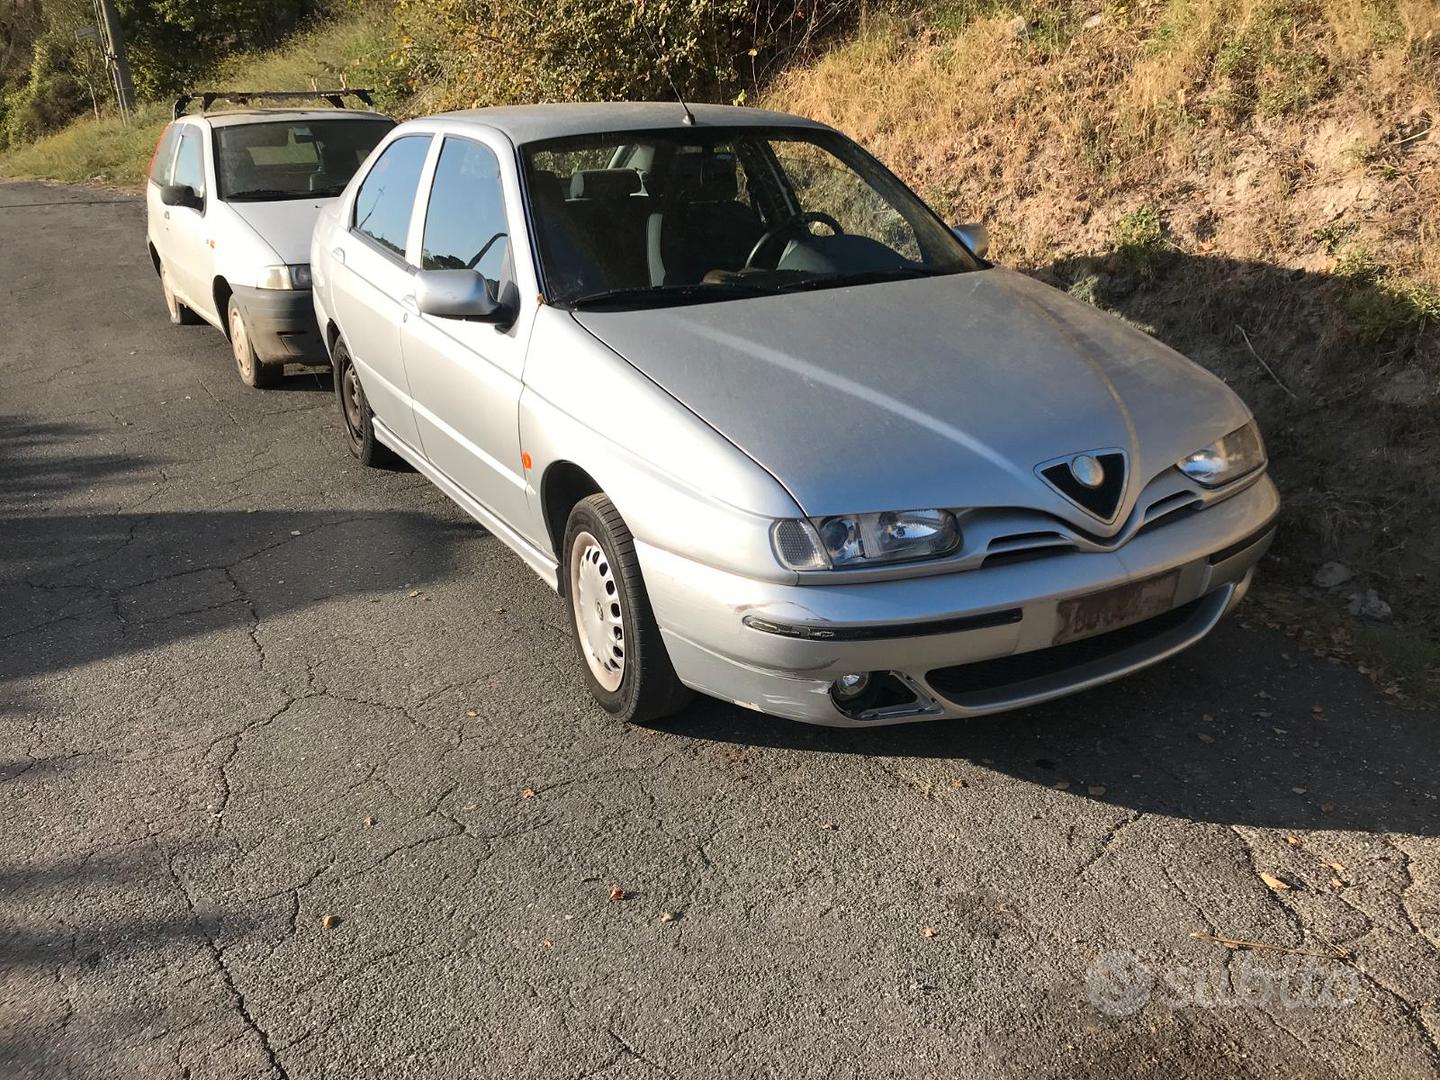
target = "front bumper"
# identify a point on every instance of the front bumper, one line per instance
(936, 633)
(282, 325)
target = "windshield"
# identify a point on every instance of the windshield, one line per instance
(692, 215)
(292, 159)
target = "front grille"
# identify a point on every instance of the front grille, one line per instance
(990, 675)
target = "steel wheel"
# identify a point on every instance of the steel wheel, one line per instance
(252, 371)
(352, 404)
(599, 618)
(172, 305)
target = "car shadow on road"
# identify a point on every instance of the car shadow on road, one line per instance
(1241, 729)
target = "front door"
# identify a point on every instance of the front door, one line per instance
(465, 376)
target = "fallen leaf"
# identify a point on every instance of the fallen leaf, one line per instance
(1292, 840)
(1206, 718)
(1279, 730)
(667, 916)
(1096, 789)
(528, 793)
(830, 825)
(1299, 790)
(1061, 785)
(617, 893)
(1336, 883)
(294, 532)
(929, 932)
(1205, 738)
(1337, 866)
(471, 713)
(1278, 884)
(329, 922)
(369, 821)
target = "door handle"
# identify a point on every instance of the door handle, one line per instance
(339, 254)
(409, 304)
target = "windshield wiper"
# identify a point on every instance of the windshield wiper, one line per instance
(868, 277)
(266, 193)
(663, 294)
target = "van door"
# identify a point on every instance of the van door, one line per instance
(370, 277)
(465, 376)
(191, 262)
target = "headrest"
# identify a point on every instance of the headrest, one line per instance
(545, 187)
(604, 183)
(704, 176)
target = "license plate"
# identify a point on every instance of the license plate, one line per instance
(1086, 616)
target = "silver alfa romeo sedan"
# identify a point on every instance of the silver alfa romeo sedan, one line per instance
(774, 431)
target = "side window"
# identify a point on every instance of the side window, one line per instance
(465, 226)
(386, 198)
(163, 167)
(190, 162)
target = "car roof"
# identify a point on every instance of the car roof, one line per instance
(269, 116)
(531, 123)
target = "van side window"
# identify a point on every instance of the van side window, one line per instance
(465, 225)
(163, 167)
(386, 199)
(190, 162)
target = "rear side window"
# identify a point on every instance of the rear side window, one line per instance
(386, 198)
(465, 227)
(190, 161)
(162, 168)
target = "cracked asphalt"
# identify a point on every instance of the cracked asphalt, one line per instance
(248, 685)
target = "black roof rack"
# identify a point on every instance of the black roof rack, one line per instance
(245, 97)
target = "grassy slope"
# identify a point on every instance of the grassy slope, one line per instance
(1253, 181)
(107, 151)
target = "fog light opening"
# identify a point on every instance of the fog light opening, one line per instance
(877, 695)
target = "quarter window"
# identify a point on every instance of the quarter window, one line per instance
(386, 198)
(164, 165)
(190, 162)
(465, 225)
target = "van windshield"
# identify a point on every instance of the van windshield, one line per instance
(292, 159)
(691, 215)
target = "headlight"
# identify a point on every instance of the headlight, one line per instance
(861, 539)
(1238, 453)
(286, 277)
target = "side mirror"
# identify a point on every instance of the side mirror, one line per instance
(460, 294)
(181, 195)
(974, 236)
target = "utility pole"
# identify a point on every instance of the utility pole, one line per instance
(113, 40)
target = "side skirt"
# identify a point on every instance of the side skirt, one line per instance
(536, 559)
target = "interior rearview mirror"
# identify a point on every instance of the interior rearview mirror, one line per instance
(460, 294)
(974, 236)
(180, 195)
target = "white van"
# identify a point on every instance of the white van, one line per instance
(231, 203)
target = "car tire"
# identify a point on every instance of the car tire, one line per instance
(252, 371)
(356, 414)
(180, 315)
(621, 652)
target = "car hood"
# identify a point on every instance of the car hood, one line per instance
(285, 224)
(945, 391)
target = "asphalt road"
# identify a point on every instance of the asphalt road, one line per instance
(248, 685)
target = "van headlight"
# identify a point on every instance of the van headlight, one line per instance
(864, 539)
(296, 276)
(1239, 453)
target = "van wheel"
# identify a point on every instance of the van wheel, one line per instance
(356, 414)
(623, 656)
(180, 315)
(252, 371)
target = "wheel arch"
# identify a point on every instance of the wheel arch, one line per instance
(154, 256)
(563, 484)
(222, 292)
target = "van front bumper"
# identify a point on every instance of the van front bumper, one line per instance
(282, 325)
(950, 645)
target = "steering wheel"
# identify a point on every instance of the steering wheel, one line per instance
(771, 235)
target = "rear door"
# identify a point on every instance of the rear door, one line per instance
(191, 260)
(370, 277)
